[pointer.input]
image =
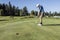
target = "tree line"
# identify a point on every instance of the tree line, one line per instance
(8, 10)
(11, 10)
(50, 14)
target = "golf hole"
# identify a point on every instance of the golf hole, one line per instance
(17, 33)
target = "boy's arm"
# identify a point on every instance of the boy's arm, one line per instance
(39, 11)
(38, 14)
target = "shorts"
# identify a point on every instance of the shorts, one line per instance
(42, 14)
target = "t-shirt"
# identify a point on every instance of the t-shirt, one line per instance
(41, 9)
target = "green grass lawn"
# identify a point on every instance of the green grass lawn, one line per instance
(28, 29)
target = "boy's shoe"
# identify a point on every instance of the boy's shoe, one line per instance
(40, 24)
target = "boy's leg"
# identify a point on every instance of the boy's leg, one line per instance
(41, 17)
(40, 20)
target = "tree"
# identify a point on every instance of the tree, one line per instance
(17, 12)
(55, 13)
(25, 11)
(0, 6)
(21, 12)
(13, 11)
(3, 7)
(0, 12)
(32, 13)
(50, 14)
(10, 9)
(7, 10)
(46, 14)
(36, 13)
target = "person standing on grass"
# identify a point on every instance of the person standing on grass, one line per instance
(40, 13)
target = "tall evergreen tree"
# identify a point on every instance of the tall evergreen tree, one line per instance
(25, 11)
(32, 12)
(10, 9)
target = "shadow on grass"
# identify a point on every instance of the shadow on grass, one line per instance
(3, 20)
(51, 25)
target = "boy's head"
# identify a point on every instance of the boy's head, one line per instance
(37, 5)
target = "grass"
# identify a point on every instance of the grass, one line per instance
(28, 29)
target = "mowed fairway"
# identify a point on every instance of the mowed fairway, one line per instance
(28, 29)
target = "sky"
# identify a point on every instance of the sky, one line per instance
(49, 5)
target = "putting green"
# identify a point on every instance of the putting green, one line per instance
(27, 29)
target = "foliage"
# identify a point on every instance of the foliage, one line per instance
(9, 10)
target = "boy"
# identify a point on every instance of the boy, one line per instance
(40, 13)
